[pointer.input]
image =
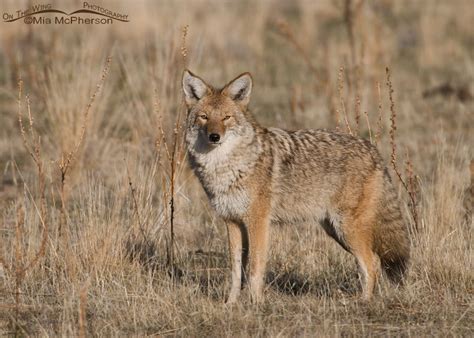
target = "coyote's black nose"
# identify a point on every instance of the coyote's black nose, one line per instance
(214, 138)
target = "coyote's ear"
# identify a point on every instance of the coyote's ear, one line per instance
(240, 88)
(194, 88)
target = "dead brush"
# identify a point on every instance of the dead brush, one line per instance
(32, 143)
(66, 161)
(169, 155)
(22, 264)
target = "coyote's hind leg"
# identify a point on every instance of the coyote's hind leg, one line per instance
(359, 241)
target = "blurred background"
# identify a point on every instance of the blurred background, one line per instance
(294, 49)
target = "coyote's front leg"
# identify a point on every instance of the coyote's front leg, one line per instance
(258, 229)
(238, 251)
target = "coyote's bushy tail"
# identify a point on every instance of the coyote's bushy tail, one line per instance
(392, 242)
(395, 265)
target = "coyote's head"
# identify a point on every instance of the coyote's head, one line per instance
(216, 117)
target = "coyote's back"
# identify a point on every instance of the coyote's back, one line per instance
(256, 176)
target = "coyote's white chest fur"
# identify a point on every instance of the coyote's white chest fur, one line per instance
(222, 173)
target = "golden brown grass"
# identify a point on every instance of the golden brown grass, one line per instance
(121, 270)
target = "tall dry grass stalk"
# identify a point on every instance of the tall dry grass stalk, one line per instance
(357, 113)
(340, 91)
(366, 115)
(379, 129)
(410, 187)
(184, 49)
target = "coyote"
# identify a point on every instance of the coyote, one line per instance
(256, 176)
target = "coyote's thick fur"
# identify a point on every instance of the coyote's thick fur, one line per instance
(256, 176)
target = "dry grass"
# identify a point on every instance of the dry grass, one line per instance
(119, 270)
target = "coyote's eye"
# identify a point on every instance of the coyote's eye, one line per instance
(203, 116)
(226, 118)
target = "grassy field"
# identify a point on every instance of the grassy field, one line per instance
(86, 187)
